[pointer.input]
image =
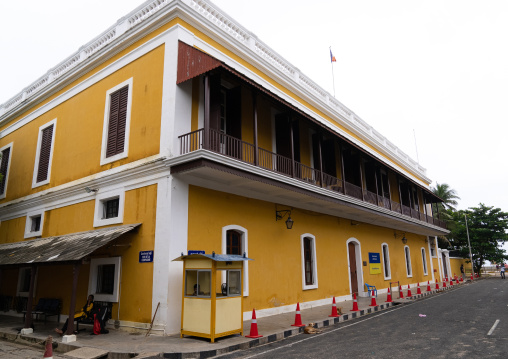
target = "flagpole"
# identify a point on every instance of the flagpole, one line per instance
(333, 76)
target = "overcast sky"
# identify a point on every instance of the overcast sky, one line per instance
(434, 70)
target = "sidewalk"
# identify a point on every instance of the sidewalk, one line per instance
(121, 344)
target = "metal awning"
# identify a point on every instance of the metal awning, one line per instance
(215, 257)
(65, 248)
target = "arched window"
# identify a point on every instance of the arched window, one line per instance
(424, 260)
(408, 261)
(235, 241)
(309, 266)
(386, 261)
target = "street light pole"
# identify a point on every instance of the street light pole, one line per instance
(469, 243)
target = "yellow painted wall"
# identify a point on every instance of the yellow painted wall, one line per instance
(276, 250)
(455, 266)
(437, 274)
(55, 281)
(79, 127)
(12, 230)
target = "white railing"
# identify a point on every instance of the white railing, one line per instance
(236, 32)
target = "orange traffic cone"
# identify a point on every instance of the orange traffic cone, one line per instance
(444, 283)
(254, 326)
(48, 354)
(355, 304)
(461, 280)
(401, 293)
(334, 309)
(437, 285)
(428, 286)
(451, 282)
(298, 317)
(409, 291)
(373, 300)
(471, 276)
(418, 290)
(389, 296)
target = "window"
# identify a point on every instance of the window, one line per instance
(386, 261)
(424, 260)
(309, 267)
(235, 241)
(24, 277)
(6, 152)
(432, 247)
(109, 208)
(116, 128)
(34, 223)
(408, 261)
(104, 279)
(198, 283)
(44, 155)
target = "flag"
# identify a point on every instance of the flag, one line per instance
(332, 58)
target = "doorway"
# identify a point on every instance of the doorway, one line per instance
(355, 262)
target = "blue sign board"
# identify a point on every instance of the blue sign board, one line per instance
(195, 252)
(374, 258)
(145, 256)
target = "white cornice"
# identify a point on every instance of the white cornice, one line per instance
(230, 34)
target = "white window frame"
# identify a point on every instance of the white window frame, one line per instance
(409, 268)
(38, 154)
(28, 224)
(105, 127)
(100, 201)
(424, 261)
(92, 282)
(11, 145)
(387, 261)
(245, 249)
(314, 262)
(21, 272)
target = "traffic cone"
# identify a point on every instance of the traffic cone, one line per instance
(355, 304)
(471, 276)
(451, 282)
(461, 280)
(389, 296)
(418, 290)
(409, 291)
(401, 294)
(48, 354)
(334, 309)
(373, 300)
(253, 327)
(428, 286)
(437, 285)
(298, 317)
(444, 283)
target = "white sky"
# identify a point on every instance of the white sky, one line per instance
(434, 68)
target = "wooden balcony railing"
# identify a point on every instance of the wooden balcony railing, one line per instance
(233, 147)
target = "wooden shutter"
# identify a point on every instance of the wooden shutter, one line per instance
(117, 122)
(3, 169)
(44, 153)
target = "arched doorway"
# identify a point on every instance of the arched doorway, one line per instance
(355, 266)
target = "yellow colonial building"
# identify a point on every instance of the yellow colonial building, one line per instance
(177, 129)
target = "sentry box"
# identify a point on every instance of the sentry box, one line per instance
(212, 304)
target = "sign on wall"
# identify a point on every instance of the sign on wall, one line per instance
(374, 263)
(145, 256)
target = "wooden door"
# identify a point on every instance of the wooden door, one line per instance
(352, 268)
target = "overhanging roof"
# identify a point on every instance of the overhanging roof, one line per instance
(66, 248)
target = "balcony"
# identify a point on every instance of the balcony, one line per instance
(229, 146)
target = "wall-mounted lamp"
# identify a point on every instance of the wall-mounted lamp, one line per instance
(282, 214)
(404, 239)
(88, 190)
(354, 223)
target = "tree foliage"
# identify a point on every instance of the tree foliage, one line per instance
(487, 232)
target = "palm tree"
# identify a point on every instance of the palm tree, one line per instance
(447, 194)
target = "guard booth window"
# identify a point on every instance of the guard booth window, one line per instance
(198, 283)
(233, 285)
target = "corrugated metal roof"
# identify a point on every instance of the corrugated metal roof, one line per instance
(68, 247)
(215, 257)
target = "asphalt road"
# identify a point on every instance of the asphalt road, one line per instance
(11, 350)
(470, 321)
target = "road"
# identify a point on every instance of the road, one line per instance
(470, 321)
(12, 350)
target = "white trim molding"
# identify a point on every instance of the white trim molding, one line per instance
(92, 282)
(244, 249)
(359, 266)
(314, 284)
(424, 261)
(105, 128)
(38, 154)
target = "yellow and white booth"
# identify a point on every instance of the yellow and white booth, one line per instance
(212, 304)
